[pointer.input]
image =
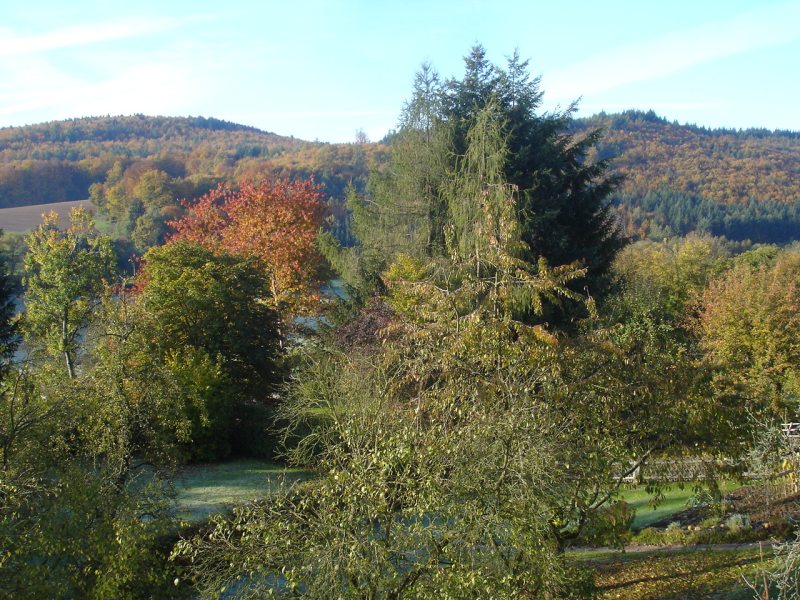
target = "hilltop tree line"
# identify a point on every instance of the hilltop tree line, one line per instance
(138, 169)
(724, 166)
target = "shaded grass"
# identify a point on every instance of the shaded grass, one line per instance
(205, 489)
(210, 488)
(678, 574)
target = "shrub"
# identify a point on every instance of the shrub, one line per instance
(738, 523)
(674, 534)
(610, 526)
(649, 536)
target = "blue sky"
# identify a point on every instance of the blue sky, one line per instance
(324, 69)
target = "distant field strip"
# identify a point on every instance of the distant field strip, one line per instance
(25, 218)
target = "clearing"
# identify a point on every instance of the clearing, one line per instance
(675, 499)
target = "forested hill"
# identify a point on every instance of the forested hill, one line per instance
(678, 178)
(744, 184)
(120, 128)
(56, 161)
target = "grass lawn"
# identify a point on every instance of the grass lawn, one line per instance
(203, 490)
(678, 574)
(215, 487)
(675, 500)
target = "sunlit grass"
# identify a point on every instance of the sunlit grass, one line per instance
(675, 499)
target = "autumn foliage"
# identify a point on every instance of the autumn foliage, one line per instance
(276, 221)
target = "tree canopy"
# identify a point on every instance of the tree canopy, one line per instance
(275, 221)
(750, 327)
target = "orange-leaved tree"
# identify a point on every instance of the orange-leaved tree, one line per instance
(275, 220)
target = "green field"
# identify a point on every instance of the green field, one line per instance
(676, 499)
(24, 218)
(203, 490)
(215, 487)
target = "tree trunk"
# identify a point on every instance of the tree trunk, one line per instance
(67, 357)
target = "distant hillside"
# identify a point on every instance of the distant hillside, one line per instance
(678, 178)
(118, 129)
(57, 161)
(681, 178)
(135, 168)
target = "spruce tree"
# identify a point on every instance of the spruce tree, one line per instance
(561, 201)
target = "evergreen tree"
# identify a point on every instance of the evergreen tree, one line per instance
(561, 199)
(405, 208)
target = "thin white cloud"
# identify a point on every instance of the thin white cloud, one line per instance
(324, 114)
(158, 78)
(658, 58)
(157, 85)
(12, 45)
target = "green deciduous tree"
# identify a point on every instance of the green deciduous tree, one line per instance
(750, 327)
(408, 503)
(207, 319)
(79, 515)
(65, 273)
(220, 303)
(158, 407)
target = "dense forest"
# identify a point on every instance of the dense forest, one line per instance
(740, 184)
(506, 370)
(677, 178)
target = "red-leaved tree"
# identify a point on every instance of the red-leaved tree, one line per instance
(275, 220)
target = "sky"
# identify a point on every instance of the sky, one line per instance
(324, 69)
